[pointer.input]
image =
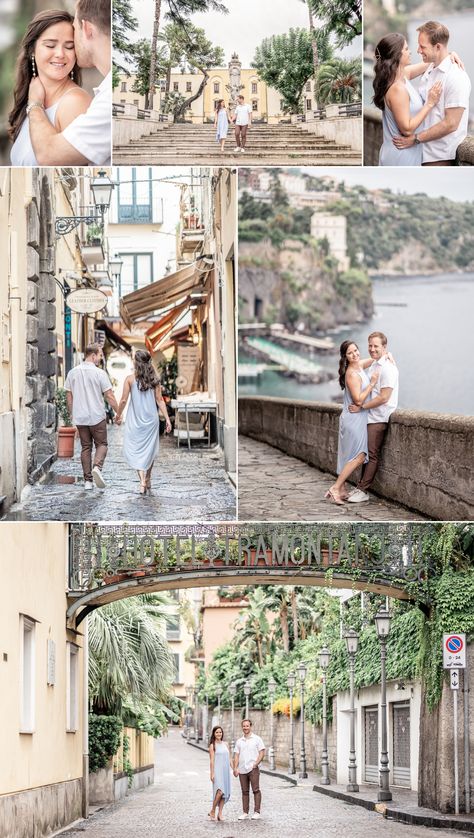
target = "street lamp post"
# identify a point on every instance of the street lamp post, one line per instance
(207, 718)
(324, 657)
(196, 714)
(232, 691)
(382, 623)
(271, 750)
(352, 641)
(291, 681)
(247, 690)
(302, 670)
(219, 694)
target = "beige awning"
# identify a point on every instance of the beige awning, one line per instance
(162, 294)
(160, 331)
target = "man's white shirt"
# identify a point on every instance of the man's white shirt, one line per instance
(248, 749)
(455, 94)
(87, 383)
(242, 114)
(91, 132)
(388, 378)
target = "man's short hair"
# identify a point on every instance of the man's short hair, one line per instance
(380, 335)
(95, 11)
(437, 33)
(240, 96)
(92, 349)
(247, 720)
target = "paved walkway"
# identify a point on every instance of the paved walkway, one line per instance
(178, 803)
(188, 486)
(276, 487)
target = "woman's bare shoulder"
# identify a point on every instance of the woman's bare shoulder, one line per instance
(75, 101)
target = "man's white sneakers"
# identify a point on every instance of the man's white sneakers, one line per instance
(97, 478)
(237, 148)
(88, 485)
(243, 817)
(256, 816)
(358, 496)
(242, 150)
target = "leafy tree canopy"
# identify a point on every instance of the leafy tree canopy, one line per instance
(341, 18)
(285, 62)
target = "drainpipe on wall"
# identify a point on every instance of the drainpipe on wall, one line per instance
(85, 723)
(467, 772)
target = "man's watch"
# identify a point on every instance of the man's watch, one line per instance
(416, 139)
(32, 105)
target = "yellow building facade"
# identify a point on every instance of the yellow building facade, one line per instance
(265, 101)
(41, 724)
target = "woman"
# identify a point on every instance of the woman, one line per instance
(401, 105)
(220, 772)
(142, 424)
(221, 121)
(47, 52)
(352, 450)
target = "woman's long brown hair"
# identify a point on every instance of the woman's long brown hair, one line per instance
(343, 362)
(145, 374)
(388, 53)
(24, 73)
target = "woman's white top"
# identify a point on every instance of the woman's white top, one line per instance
(22, 153)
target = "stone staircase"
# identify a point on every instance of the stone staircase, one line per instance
(266, 145)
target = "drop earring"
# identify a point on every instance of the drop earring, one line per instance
(33, 66)
(72, 74)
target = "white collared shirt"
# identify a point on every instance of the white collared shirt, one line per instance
(242, 114)
(248, 749)
(87, 383)
(91, 132)
(388, 378)
(455, 94)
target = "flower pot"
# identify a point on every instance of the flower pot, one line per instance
(262, 561)
(66, 436)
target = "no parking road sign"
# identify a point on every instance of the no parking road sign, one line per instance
(454, 651)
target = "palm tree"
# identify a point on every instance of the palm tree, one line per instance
(339, 80)
(129, 658)
(253, 627)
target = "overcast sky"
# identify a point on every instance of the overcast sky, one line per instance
(246, 25)
(456, 184)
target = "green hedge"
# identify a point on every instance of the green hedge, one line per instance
(104, 740)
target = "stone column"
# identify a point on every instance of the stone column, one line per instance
(234, 87)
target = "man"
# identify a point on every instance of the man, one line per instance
(383, 401)
(242, 120)
(86, 387)
(248, 753)
(446, 125)
(87, 139)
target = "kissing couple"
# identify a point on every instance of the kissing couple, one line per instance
(423, 125)
(54, 121)
(370, 396)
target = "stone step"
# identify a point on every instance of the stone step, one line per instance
(323, 159)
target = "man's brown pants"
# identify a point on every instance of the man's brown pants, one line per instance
(247, 780)
(89, 434)
(376, 434)
(241, 135)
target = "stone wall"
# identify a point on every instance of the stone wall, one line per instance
(40, 812)
(40, 327)
(281, 738)
(436, 766)
(427, 462)
(373, 138)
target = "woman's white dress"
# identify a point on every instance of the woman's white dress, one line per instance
(352, 429)
(142, 428)
(390, 155)
(22, 153)
(222, 774)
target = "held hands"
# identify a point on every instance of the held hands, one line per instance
(434, 94)
(236, 773)
(36, 91)
(118, 420)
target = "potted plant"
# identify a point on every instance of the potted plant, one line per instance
(66, 431)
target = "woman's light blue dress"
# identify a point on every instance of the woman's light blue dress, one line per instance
(390, 155)
(352, 430)
(142, 428)
(222, 775)
(222, 127)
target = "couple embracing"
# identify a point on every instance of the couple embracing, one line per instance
(370, 396)
(54, 121)
(424, 125)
